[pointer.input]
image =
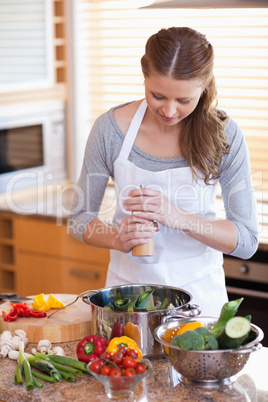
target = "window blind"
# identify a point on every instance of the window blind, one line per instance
(113, 36)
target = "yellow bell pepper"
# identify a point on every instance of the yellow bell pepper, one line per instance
(40, 304)
(129, 343)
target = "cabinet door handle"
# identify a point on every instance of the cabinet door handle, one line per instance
(82, 274)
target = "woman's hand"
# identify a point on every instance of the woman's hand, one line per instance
(151, 204)
(134, 231)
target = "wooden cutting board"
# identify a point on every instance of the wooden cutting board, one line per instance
(70, 324)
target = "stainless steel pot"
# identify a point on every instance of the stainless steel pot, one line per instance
(139, 326)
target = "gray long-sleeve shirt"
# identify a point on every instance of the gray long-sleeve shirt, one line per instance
(103, 148)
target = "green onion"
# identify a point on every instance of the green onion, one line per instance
(26, 368)
(43, 376)
(67, 376)
(37, 383)
(45, 367)
(29, 382)
(18, 374)
(65, 360)
(66, 369)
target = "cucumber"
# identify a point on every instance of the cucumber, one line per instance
(228, 311)
(235, 332)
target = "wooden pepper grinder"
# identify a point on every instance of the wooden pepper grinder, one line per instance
(146, 249)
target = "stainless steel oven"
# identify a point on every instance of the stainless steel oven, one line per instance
(249, 279)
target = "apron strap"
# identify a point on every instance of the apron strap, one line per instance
(133, 131)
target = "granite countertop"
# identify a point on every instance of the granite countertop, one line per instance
(251, 384)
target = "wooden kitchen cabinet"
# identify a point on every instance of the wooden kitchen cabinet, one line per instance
(51, 261)
(38, 256)
(8, 258)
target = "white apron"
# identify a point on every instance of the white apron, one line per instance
(179, 260)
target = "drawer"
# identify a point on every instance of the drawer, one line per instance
(37, 274)
(77, 277)
(40, 236)
(245, 270)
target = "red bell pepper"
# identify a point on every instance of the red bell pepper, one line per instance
(117, 330)
(38, 314)
(21, 310)
(91, 347)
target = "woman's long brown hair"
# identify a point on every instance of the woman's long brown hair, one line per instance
(182, 53)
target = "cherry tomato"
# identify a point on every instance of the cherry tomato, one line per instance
(122, 349)
(132, 353)
(129, 372)
(95, 366)
(117, 358)
(140, 368)
(115, 372)
(106, 355)
(129, 362)
(105, 370)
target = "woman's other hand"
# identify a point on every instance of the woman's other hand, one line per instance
(151, 204)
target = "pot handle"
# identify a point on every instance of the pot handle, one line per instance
(189, 310)
(88, 293)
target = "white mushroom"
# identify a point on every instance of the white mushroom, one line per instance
(6, 336)
(16, 340)
(6, 347)
(9, 342)
(33, 351)
(22, 334)
(44, 346)
(57, 350)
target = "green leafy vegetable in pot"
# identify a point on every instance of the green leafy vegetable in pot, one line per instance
(140, 303)
(122, 304)
(130, 303)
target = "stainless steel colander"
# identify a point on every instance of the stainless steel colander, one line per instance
(206, 368)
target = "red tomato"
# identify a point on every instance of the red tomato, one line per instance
(106, 355)
(105, 370)
(95, 366)
(123, 350)
(132, 353)
(140, 368)
(115, 372)
(129, 362)
(129, 372)
(117, 358)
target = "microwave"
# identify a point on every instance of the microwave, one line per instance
(32, 145)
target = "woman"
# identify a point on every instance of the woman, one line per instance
(178, 146)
